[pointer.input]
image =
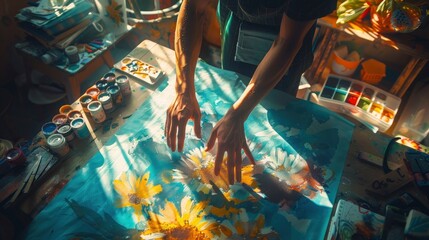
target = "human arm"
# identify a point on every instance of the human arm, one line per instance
(229, 131)
(187, 44)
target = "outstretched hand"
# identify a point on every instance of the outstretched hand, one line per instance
(184, 107)
(229, 132)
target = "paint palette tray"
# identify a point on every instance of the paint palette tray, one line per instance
(360, 100)
(139, 70)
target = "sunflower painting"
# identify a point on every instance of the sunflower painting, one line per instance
(242, 226)
(198, 165)
(135, 192)
(294, 172)
(136, 187)
(186, 222)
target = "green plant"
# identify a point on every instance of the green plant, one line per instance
(352, 9)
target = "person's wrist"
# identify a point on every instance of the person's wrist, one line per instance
(237, 114)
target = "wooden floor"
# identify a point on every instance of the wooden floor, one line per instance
(23, 118)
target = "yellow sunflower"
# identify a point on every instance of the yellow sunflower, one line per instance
(187, 223)
(135, 192)
(240, 226)
(199, 164)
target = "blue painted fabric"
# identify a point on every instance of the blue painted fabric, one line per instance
(300, 150)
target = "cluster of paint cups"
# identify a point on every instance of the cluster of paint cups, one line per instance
(106, 96)
(99, 100)
(63, 128)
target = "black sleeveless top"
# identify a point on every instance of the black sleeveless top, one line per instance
(270, 12)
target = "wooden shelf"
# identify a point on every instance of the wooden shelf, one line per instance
(405, 43)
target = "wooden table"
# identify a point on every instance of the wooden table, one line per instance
(357, 174)
(83, 150)
(70, 79)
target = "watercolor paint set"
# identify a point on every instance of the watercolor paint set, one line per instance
(360, 100)
(139, 70)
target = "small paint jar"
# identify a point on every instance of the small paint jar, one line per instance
(84, 100)
(79, 128)
(93, 92)
(72, 54)
(106, 101)
(110, 78)
(101, 85)
(15, 157)
(96, 110)
(124, 84)
(64, 109)
(67, 131)
(74, 114)
(49, 128)
(115, 93)
(60, 119)
(58, 144)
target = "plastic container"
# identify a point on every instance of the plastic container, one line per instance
(73, 54)
(93, 92)
(116, 95)
(74, 114)
(79, 127)
(124, 84)
(60, 119)
(67, 132)
(49, 128)
(106, 101)
(362, 101)
(414, 120)
(84, 100)
(58, 144)
(342, 66)
(372, 71)
(65, 109)
(97, 112)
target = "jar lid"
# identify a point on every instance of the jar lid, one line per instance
(94, 106)
(74, 114)
(121, 79)
(71, 50)
(49, 127)
(103, 97)
(64, 129)
(85, 98)
(101, 84)
(56, 140)
(113, 89)
(77, 123)
(60, 119)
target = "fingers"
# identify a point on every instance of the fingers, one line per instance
(248, 153)
(230, 163)
(219, 159)
(238, 162)
(211, 141)
(181, 134)
(197, 124)
(172, 135)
